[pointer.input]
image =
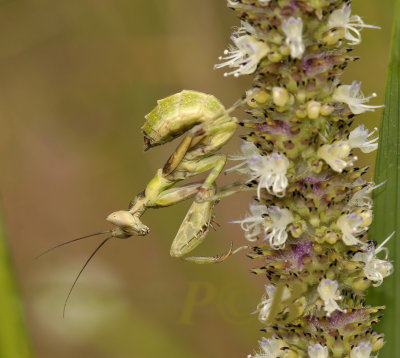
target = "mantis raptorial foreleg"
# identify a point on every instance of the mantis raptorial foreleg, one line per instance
(194, 227)
(193, 231)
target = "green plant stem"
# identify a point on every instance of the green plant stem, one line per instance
(387, 198)
(14, 342)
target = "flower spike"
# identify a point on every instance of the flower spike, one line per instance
(311, 209)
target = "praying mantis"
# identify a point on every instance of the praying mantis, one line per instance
(207, 126)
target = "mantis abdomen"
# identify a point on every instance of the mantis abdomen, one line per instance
(176, 114)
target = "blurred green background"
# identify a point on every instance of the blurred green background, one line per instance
(76, 79)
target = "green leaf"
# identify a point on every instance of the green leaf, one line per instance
(14, 341)
(387, 199)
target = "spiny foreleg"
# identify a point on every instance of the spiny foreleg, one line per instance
(193, 231)
(194, 227)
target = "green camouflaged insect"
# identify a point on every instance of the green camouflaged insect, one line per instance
(208, 127)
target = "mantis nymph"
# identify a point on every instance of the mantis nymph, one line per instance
(208, 127)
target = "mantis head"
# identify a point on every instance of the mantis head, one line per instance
(126, 224)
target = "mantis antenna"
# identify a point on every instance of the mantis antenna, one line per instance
(70, 241)
(87, 261)
(80, 272)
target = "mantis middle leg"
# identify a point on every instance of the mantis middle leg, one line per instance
(188, 168)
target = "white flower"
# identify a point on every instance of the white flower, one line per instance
(363, 350)
(264, 306)
(352, 225)
(275, 227)
(245, 29)
(293, 29)
(253, 225)
(375, 269)
(271, 222)
(337, 153)
(351, 24)
(248, 151)
(239, 4)
(233, 3)
(270, 348)
(271, 173)
(280, 96)
(362, 197)
(244, 56)
(353, 97)
(329, 293)
(358, 138)
(317, 351)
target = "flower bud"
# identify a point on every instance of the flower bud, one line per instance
(280, 96)
(361, 284)
(313, 109)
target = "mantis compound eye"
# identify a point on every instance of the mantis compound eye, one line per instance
(121, 218)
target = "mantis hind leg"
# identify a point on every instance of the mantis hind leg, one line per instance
(210, 259)
(216, 258)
